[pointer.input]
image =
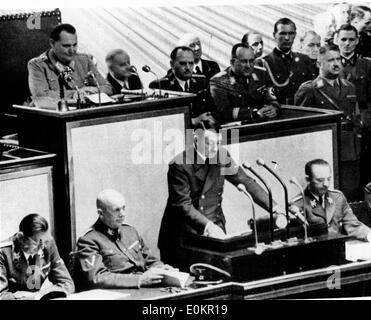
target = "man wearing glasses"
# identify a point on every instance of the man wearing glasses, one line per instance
(30, 265)
(243, 91)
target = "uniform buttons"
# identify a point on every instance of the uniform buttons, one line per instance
(322, 102)
(203, 196)
(218, 204)
(219, 193)
(201, 208)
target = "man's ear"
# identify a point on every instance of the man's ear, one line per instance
(307, 179)
(172, 64)
(100, 213)
(51, 42)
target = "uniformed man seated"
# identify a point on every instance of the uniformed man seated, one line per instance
(324, 205)
(55, 67)
(112, 254)
(181, 78)
(120, 74)
(30, 265)
(243, 91)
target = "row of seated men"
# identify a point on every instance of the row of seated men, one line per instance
(252, 88)
(112, 254)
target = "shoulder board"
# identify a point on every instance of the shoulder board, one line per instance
(368, 188)
(260, 68)
(199, 76)
(367, 58)
(296, 198)
(127, 224)
(307, 82)
(345, 82)
(5, 244)
(334, 190)
(86, 232)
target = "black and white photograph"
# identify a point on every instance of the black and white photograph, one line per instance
(188, 151)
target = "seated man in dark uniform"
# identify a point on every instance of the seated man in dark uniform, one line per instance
(112, 254)
(324, 205)
(288, 69)
(243, 91)
(181, 79)
(196, 181)
(45, 72)
(30, 266)
(120, 75)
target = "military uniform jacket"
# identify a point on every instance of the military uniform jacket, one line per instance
(106, 258)
(197, 85)
(133, 80)
(318, 93)
(337, 214)
(43, 76)
(295, 68)
(195, 197)
(17, 275)
(358, 72)
(235, 98)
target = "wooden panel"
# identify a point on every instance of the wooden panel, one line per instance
(103, 154)
(24, 192)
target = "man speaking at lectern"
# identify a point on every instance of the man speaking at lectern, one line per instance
(195, 183)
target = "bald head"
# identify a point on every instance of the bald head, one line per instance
(111, 208)
(193, 41)
(118, 63)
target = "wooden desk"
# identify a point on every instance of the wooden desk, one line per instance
(26, 186)
(123, 147)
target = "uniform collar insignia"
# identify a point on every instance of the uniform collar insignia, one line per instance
(232, 79)
(254, 76)
(16, 257)
(329, 200)
(320, 83)
(110, 231)
(313, 203)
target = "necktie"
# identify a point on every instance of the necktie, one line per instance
(198, 70)
(31, 260)
(320, 201)
(186, 89)
(336, 88)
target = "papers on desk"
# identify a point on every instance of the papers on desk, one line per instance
(98, 294)
(103, 98)
(172, 278)
(357, 250)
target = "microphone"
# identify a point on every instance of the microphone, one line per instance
(242, 189)
(261, 162)
(66, 74)
(92, 75)
(133, 70)
(294, 181)
(247, 166)
(147, 68)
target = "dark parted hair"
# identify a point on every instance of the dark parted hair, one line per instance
(32, 224)
(283, 21)
(347, 27)
(310, 164)
(328, 47)
(56, 32)
(239, 45)
(174, 53)
(245, 38)
(358, 11)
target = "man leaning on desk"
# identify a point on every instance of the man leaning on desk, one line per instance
(112, 254)
(62, 58)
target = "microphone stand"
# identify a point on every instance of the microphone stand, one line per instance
(261, 162)
(247, 166)
(259, 248)
(92, 75)
(147, 68)
(294, 181)
(62, 104)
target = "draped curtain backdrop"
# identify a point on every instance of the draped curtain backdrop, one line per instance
(149, 34)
